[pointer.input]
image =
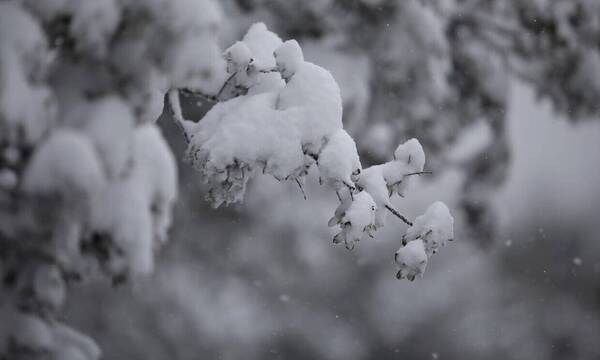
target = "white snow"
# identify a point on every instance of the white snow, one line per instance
(346, 198)
(109, 124)
(65, 164)
(21, 35)
(136, 210)
(267, 82)
(435, 228)
(289, 58)
(24, 106)
(339, 160)
(252, 134)
(262, 43)
(315, 93)
(237, 56)
(372, 181)
(93, 23)
(358, 219)
(155, 173)
(411, 260)
(194, 61)
(122, 211)
(411, 154)
(409, 158)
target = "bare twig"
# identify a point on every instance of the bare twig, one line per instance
(229, 79)
(190, 92)
(301, 188)
(175, 106)
(400, 216)
(411, 174)
(419, 173)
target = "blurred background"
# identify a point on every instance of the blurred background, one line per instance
(504, 98)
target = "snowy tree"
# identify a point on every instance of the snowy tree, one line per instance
(87, 181)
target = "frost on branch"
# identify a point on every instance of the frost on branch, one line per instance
(281, 121)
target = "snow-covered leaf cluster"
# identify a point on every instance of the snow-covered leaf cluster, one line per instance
(284, 117)
(428, 233)
(435, 228)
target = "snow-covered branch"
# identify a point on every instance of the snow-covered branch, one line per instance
(284, 123)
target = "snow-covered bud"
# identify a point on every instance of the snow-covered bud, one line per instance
(262, 43)
(435, 227)
(411, 260)
(411, 153)
(339, 160)
(358, 219)
(237, 56)
(372, 181)
(288, 57)
(409, 158)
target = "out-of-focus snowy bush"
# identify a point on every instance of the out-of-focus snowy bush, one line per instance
(88, 181)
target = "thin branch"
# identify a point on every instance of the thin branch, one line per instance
(400, 216)
(301, 188)
(190, 92)
(419, 173)
(411, 174)
(338, 195)
(229, 79)
(176, 114)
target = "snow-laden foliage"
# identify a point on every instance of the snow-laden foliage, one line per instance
(355, 215)
(88, 183)
(435, 228)
(411, 260)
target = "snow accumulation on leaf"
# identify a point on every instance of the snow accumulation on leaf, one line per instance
(279, 115)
